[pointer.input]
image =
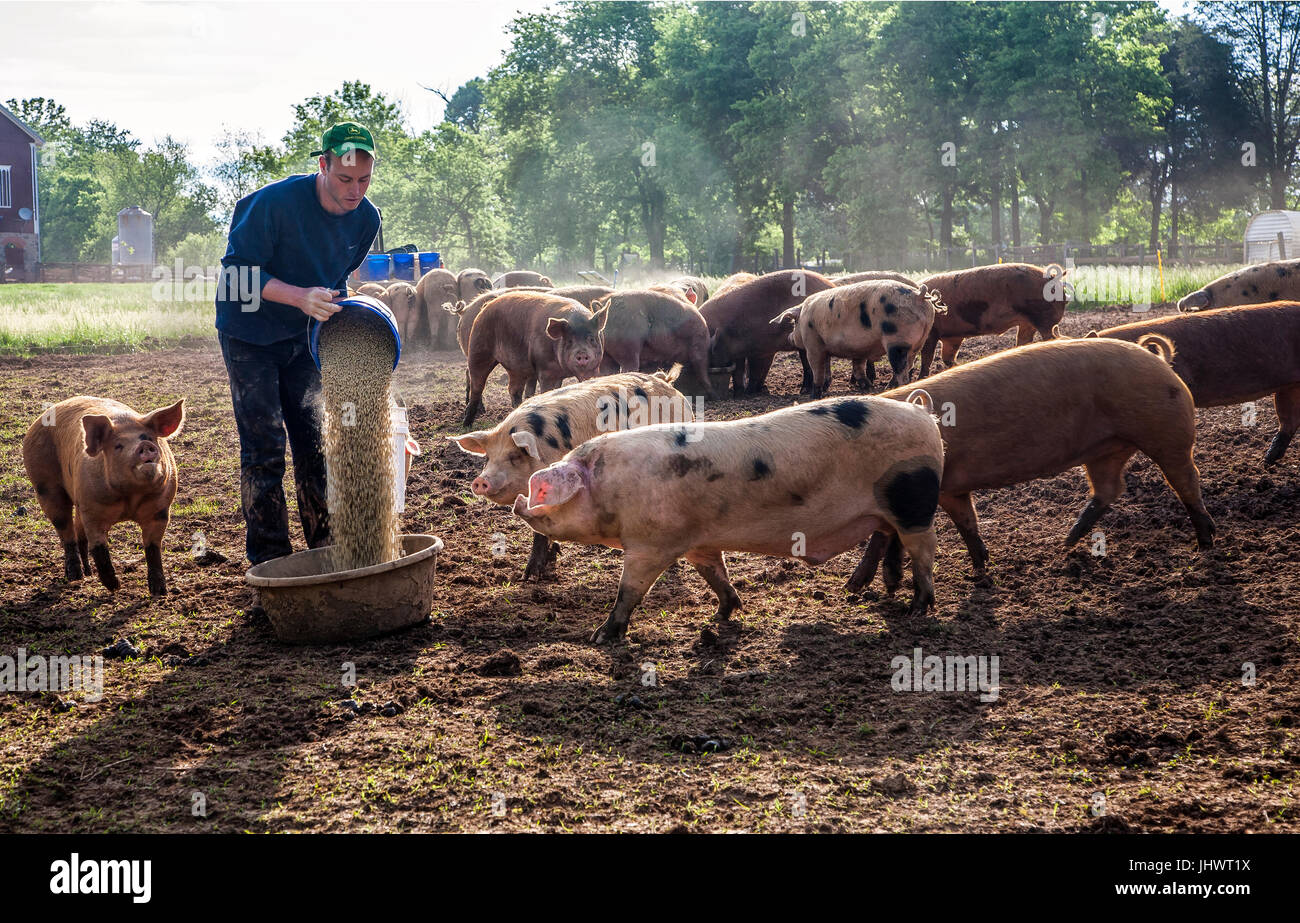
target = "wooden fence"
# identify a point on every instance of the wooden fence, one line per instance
(93, 272)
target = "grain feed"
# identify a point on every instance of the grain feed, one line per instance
(356, 358)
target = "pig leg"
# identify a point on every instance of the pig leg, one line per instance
(1025, 334)
(542, 558)
(820, 362)
(805, 386)
(520, 381)
(641, 568)
(713, 568)
(478, 377)
(1183, 477)
(57, 505)
(961, 511)
(98, 540)
(1106, 478)
(920, 547)
(1287, 404)
(631, 362)
(82, 549)
(892, 567)
(759, 366)
(738, 377)
(152, 531)
(951, 346)
(865, 572)
(927, 351)
(860, 378)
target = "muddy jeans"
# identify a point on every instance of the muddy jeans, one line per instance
(275, 388)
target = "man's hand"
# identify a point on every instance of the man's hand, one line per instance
(319, 303)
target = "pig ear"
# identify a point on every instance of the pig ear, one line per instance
(474, 443)
(554, 485)
(691, 296)
(99, 429)
(546, 281)
(601, 317)
(527, 442)
(556, 328)
(601, 304)
(167, 421)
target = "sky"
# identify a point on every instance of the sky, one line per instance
(191, 69)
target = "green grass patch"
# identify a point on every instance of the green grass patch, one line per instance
(100, 317)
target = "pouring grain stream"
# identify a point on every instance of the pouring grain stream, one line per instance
(356, 360)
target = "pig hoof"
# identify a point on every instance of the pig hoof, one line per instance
(158, 589)
(111, 583)
(607, 634)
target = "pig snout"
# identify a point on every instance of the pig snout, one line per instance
(584, 362)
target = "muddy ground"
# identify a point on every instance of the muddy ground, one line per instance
(1120, 674)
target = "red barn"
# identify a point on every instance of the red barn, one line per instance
(20, 211)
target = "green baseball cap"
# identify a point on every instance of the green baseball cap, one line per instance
(344, 137)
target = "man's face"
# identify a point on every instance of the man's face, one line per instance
(347, 178)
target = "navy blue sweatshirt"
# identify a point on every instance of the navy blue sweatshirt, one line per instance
(283, 230)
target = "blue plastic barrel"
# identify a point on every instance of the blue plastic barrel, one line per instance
(376, 268)
(404, 266)
(428, 261)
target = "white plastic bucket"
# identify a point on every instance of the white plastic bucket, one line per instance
(403, 448)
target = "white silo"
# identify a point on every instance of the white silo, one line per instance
(135, 231)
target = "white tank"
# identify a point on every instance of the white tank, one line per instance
(117, 250)
(135, 235)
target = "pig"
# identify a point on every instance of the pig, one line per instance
(535, 335)
(373, 289)
(733, 281)
(1264, 282)
(1036, 411)
(863, 321)
(808, 481)
(542, 429)
(1210, 356)
(874, 276)
(403, 300)
(691, 288)
(470, 283)
(521, 277)
(647, 327)
(436, 288)
(991, 300)
(467, 312)
(95, 463)
(740, 333)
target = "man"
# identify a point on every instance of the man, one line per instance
(292, 244)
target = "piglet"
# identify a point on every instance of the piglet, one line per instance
(808, 481)
(95, 463)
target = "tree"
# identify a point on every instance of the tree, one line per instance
(1266, 40)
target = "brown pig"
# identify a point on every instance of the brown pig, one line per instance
(95, 463)
(436, 288)
(470, 283)
(691, 288)
(373, 289)
(542, 429)
(863, 322)
(741, 336)
(991, 300)
(734, 280)
(522, 277)
(403, 300)
(1210, 356)
(808, 481)
(1036, 411)
(1258, 284)
(535, 335)
(649, 327)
